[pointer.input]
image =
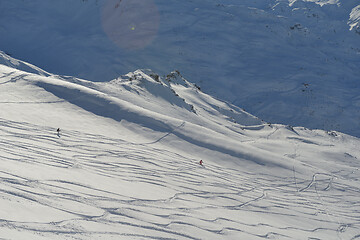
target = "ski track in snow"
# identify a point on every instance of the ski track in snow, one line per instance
(209, 202)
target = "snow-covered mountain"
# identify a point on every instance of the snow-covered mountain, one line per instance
(125, 164)
(286, 61)
(354, 20)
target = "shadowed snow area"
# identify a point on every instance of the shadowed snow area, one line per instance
(286, 61)
(125, 164)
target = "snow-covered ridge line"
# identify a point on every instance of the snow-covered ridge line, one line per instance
(169, 105)
(125, 163)
(171, 113)
(303, 56)
(9, 61)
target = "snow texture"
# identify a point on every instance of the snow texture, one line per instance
(285, 61)
(125, 164)
(354, 21)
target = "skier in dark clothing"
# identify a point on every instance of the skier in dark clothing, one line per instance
(58, 132)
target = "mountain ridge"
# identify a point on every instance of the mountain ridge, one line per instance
(302, 56)
(126, 163)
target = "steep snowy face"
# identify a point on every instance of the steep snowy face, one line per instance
(346, 7)
(175, 96)
(297, 55)
(354, 21)
(125, 163)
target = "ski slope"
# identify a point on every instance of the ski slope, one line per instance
(298, 56)
(126, 164)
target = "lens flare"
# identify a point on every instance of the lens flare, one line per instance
(130, 24)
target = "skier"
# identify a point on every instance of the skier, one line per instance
(58, 132)
(201, 162)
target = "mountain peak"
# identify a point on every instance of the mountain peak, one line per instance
(130, 159)
(264, 50)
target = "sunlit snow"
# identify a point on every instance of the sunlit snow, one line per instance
(125, 164)
(354, 17)
(297, 57)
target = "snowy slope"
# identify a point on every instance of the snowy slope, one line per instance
(296, 55)
(354, 20)
(319, 2)
(126, 165)
(20, 65)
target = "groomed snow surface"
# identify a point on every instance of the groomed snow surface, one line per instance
(125, 164)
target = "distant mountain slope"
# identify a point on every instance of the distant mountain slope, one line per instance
(125, 164)
(354, 20)
(298, 55)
